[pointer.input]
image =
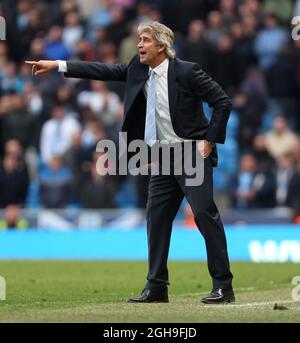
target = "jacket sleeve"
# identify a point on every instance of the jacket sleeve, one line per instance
(96, 71)
(211, 92)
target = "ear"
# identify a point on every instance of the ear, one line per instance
(162, 48)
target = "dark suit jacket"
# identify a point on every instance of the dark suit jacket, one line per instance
(188, 86)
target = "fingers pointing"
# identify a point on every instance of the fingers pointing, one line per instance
(32, 62)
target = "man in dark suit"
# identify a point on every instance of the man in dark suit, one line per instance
(163, 102)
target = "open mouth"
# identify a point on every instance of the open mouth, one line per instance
(142, 53)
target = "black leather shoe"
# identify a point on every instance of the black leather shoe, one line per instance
(219, 296)
(151, 296)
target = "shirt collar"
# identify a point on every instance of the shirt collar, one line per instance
(161, 68)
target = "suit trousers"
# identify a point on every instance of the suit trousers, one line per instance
(165, 195)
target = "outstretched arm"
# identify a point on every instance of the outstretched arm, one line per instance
(84, 70)
(97, 71)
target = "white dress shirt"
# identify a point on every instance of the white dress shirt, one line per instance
(164, 127)
(62, 66)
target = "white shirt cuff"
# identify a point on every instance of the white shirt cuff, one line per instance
(62, 66)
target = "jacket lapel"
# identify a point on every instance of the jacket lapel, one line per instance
(172, 87)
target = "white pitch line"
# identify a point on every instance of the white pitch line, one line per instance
(257, 304)
(248, 289)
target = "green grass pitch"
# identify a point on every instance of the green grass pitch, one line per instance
(97, 291)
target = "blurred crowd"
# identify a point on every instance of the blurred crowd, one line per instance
(49, 126)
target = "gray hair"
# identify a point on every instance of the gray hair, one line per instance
(161, 33)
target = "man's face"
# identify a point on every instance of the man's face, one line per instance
(150, 51)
